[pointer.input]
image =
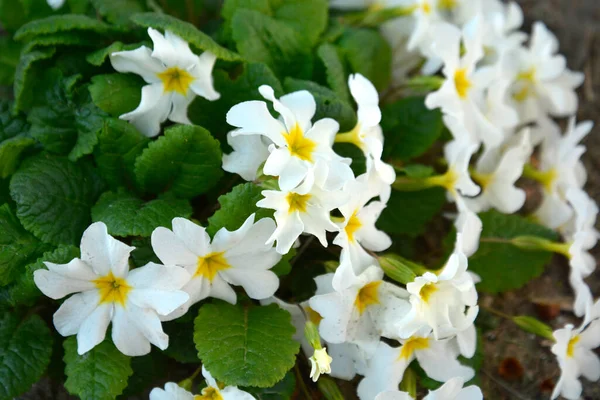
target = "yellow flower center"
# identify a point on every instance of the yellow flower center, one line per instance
(367, 295)
(447, 4)
(210, 264)
(462, 82)
(525, 81)
(482, 179)
(297, 202)
(298, 145)
(352, 226)
(427, 290)
(112, 289)
(571, 346)
(412, 344)
(312, 315)
(209, 393)
(426, 7)
(176, 79)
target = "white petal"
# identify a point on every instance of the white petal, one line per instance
(203, 84)
(335, 311)
(163, 49)
(303, 105)
(62, 280)
(172, 391)
(153, 109)
(179, 109)
(148, 324)
(171, 249)
(253, 118)
(162, 301)
(103, 252)
(139, 62)
(93, 329)
(73, 311)
(233, 393)
(249, 153)
(366, 97)
(159, 277)
(220, 289)
(257, 284)
(193, 236)
(126, 336)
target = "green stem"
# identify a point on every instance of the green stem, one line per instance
(409, 382)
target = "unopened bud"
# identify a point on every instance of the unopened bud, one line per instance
(532, 325)
(311, 333)
(398, 268)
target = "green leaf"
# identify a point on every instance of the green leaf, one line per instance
(501, 265)
(185, 161)
(231, 6)
(236, 207)
(369, 54)
(54, 197)
(23, 290)
(10, 154)
(62, 23)
(98, 57)
(186, 31)
(245, 345)
(211, 114)
(11, 125)
(410, 128)
(418, 171)
(329, 105)
(24, 86)
(283, 390)
(100, 374)
(126, 215)
(25, 349)
(260, 38)
(14, 13)
(59, 39)
(119, 144)
(118, 12)
(116, 94)
(147, 370)
(408, 213)
(10, 52)
(307, 17)
(284, 267)
(143, 253)
(17, 246)
(181, 341)
(335, 71)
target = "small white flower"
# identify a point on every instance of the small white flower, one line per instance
(362, 312)
(213, 391)
(249, 153)
(445, 303)
(438, 358)
(497, 172)
(451, 390)
(585, 236)
(458, 180)
(468, 226)
(174, 75)
(543, 84)
(232, 258)
(107, 291)
(367, 134)
(560, 168)
(320, 363)
(172, 391)
(55, 4)
(358, 231)
(574, 350)
(297, 144)
(305, 209)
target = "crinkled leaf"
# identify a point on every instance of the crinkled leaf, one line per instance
(100, 374)
(62, 23)
(98, 57)
(236, 207)
(10, 52)
(329, 105)
(25, 349)
(501, 265)
(11, 125)
(186, 31)
(25, 86)
(17, 246)
(126, 215)
(307, 17)
(116, 94)
(185, 161)
(410, 128)
(245, 345)
(23, 290)
(211, 114)
(335, 71)
(59, 39)
(369, 54)
(260, 38)
(119, 144)
(15, 13)
(409, 212)
(283, 390)
(118, 12)
(54, 197)
(10, 154)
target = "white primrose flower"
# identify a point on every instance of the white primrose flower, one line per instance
(574, 350)
(175, 76)
(362, 312)
(543, 84)
(367, 134)
(438, 358)
(451, 390)
(501, 35)
(172, 391)
(55, 4)
(239, 258)
(497, 171)
(297, 144)
(468, 226)
(560, 168)
(320, 363)
(358, 231)
(457, 179)
(249, 153)
(305, 209)
(444, 303)
(462, 94)
(106, 290)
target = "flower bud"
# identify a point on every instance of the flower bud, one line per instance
(532, 325)
(398, 268)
